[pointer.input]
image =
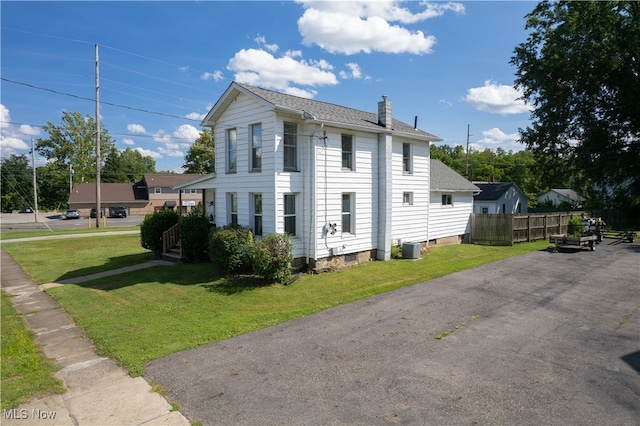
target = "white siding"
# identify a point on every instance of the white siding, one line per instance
(452, 220)
(409, 222)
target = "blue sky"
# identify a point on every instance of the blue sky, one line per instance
(164, 64)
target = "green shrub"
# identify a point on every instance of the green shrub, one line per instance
(152, 227)
(229, 250)
(194, 236)
(574, 228)
(396, 251)
(271, 257)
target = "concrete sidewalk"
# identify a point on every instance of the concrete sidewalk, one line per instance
(99, 392)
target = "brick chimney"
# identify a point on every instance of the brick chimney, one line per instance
(384, 113)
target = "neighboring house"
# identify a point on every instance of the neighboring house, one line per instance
(451, 205)
(558, 197)
(153, 193)
(162, 195)
(345, 184)
(500, 198)
(83, 197)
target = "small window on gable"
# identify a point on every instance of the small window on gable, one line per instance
(447, 200)
(347, 152)
(407, 160)
(290, 147)
(157, 190)
(407, 198)
(256, 147)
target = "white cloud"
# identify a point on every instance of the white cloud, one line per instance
(195, 116)
(128, 142)
(496, 98)
(148, 153)
(496, 138)
(12, 139)
(187, 131)
(354, 71)
(262, 41)
(261, 68)
(215, 76)
(184, 69)
(136, 128)
(364, 26)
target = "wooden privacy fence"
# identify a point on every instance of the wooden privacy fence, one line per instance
(498, 229)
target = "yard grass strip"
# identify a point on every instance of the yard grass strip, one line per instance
(26, 372)
(144, 315)
(6, 234)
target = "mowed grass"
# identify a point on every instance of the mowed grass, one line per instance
(26, 372)
(143, 315)
(7, 234)
(58, 259)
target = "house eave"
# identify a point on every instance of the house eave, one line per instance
(190, 183)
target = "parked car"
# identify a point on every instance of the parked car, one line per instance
(92, 214)
(26, 209)
(118, 211)
(72, 214)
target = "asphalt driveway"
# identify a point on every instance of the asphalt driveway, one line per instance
(543, 338)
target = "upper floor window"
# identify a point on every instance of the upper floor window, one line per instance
(257, 214)
(447, 200)
(347, 152)
(347, 213)
(290, 214)
(290, 147)
(232, 208)
(256, 147)
(407, 198)
(407, 161)
(193, 191)
(157, 190)
(232, 150)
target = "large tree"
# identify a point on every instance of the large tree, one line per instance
(126, 166)
(580, 68)
(200, 157)
(73, 143)
(17, 183)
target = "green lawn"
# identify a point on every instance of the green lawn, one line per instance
(147, 314)
(7, 234)
(25, 371)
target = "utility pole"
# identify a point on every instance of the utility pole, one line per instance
(467, 169)
(70, 178)
(35, 190)
(97, 140)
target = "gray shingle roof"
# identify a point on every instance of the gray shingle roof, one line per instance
(328, 112)
(444, 178)
(493, 191)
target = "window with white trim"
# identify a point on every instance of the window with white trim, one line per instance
(347, 152)
(290, 147)
(232, 208)
(193, 191)
(157, 190)
(447, 200)
(347, 213)
(407, 160)
(257, 213)
(232, 150)
(290, 214)
(407, 198)
(255, 132)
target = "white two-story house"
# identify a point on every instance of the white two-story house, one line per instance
(345, 184)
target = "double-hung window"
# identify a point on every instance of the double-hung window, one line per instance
(232, 207)
(290, 147)
(407, 163)
(257, 214)
(290, 214)
(447, 200)
(347, 152)
(347, 213)
(407, 198)
(157, 190)
(232, 151)
(255, 132)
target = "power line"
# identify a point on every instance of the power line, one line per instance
(93, 100)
